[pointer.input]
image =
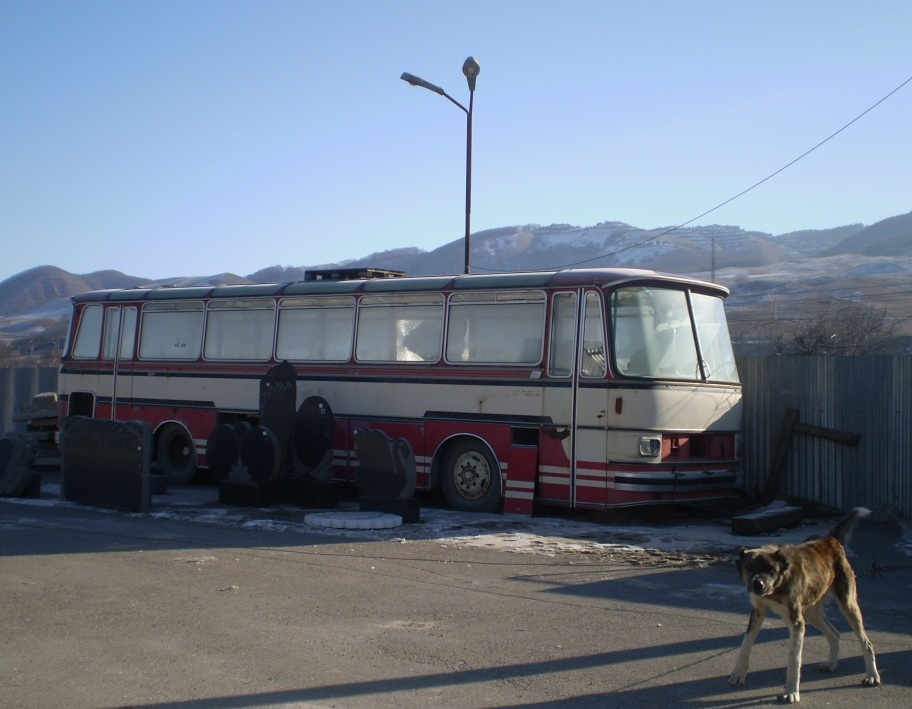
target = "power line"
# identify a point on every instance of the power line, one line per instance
(745, 191)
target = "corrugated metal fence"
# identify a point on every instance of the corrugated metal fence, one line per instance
(870, 396)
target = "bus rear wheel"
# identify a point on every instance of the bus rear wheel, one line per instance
(471, 478)
(176, 454)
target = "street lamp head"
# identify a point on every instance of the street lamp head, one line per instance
(471, 70)
(418, 81)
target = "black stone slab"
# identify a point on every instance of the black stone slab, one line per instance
(278, 392)
(107, 463)
(386, 466)
(313, 436)
(261, 455)
(223, 449)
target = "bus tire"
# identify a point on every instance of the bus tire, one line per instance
(470, 477)
(176, 454)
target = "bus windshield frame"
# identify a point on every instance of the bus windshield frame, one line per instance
(661, 332)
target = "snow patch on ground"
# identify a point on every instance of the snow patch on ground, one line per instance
(640, 538)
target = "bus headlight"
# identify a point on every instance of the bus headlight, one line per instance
(649, 447)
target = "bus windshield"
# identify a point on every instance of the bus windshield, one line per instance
(666, 333)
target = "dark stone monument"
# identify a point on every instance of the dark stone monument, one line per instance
(308, 484)
(386, 474)
(255, 468)
(261, 454)
(251, 461)
(107, 463)
(223, 449)
(278, 391)
(313, 431)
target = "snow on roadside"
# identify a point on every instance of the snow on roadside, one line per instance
(639, 537)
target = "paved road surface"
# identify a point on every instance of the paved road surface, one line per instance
(106, 609)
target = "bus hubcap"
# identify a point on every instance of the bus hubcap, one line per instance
(472, 476)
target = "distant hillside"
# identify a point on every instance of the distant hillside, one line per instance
(890, 237)
(35, 304)
(44, 284)
(534, 247)
(813, 242)
(849, 262)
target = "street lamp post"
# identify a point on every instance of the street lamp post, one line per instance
(470, 69)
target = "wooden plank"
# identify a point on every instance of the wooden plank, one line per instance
(28, 413)
(850, 439)
(767, 520)
(780, 454)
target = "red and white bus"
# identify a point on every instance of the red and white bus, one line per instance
(581, 388)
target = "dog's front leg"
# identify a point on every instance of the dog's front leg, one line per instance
(754, 623)
(793, 673)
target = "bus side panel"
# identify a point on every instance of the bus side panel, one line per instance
(519, 483)
(592, 480)
(554, 478)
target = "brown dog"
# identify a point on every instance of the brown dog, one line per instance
(794, 581)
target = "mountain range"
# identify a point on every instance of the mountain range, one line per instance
(871, 264)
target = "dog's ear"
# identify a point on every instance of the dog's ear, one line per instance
(781, 560)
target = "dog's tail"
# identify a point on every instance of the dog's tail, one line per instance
(843, 530)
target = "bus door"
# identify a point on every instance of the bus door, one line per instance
(119, 339)
(574, 445)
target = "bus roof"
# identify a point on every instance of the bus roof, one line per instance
(598, 277)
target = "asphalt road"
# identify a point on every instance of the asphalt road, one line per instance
(105, 609)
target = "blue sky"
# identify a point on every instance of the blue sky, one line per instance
(167, 138)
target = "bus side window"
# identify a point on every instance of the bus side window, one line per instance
(593, 338)
(563, 334)
(240, 329)
(496, 328)
(171, 330)
(88, 336)
(128, 333)
(316, 329)
(402, 328)
(111, 332)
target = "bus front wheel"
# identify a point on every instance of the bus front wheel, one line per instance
(471, 478)
(176, 454)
